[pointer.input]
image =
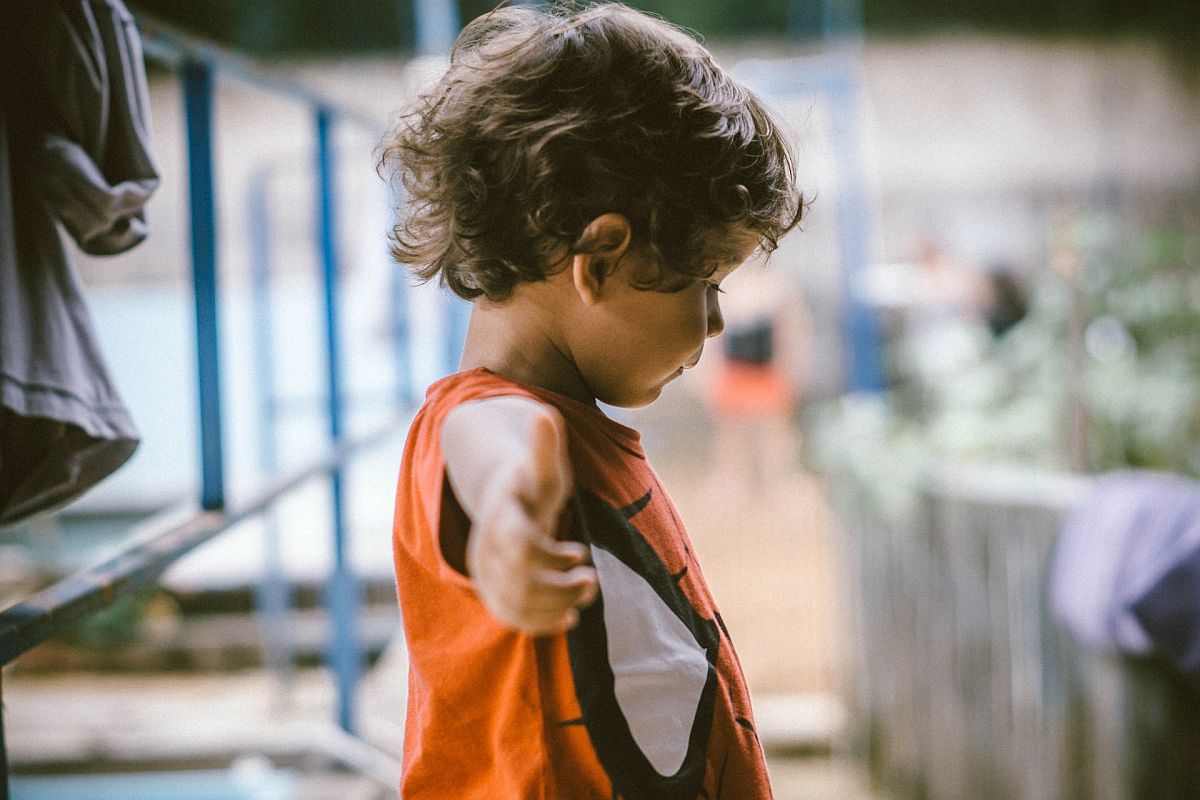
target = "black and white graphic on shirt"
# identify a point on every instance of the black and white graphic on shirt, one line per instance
(643, 660)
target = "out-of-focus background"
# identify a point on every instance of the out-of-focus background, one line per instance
(897, 465)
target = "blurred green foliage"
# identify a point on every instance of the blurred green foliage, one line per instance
(1113, 333)
(1142, 391)
(276, 27)
(113, 626)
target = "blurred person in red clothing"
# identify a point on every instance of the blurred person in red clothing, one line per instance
(753, 391)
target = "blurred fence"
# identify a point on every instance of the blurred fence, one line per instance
(964, 685)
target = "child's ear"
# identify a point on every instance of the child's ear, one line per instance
(598, 250)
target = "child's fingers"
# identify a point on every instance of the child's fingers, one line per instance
(554, 607)
(546, 601)
(559, 555)
(553, 589)
(544, 589)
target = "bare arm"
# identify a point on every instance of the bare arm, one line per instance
(506, 460)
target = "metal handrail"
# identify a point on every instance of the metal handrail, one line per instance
(50, 611)
(171, 47)
(54, 609)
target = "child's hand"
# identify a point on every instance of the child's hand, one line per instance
(525, 577)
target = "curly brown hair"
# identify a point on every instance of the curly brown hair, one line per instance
(547, 119)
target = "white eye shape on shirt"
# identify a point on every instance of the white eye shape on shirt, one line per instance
(659, 668)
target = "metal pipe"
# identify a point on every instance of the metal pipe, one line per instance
(437, 25)
(271, 591)
(859, 324)
(198, 109)
(342, 597)
(841, 20)
(49, 612)
(405, 389)
(258, 213)
(456, 313)
(168, 45)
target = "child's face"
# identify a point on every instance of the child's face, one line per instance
(643, 339)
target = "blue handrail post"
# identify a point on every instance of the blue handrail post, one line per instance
(803, 19)
(842, 26)
(837, 77)
(272, 590)
(437, 24)
(860, 327)
(456, 314)
(345, 653)
(405, 386)
(841, 20)
(406, 391)
(198, 108)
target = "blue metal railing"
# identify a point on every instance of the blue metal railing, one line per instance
(271, 594)
(53, 610)
(345, 653)
(56, 608)
(198, 106)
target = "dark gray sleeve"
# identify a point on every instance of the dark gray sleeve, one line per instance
(92, 162)
(73, 146)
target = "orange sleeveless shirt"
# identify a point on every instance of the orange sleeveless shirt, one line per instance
(643, 700)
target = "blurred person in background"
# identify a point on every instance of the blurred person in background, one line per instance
(942, 313)
(753, 389)
(1006, 300)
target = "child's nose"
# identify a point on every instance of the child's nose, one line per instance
(716, 322)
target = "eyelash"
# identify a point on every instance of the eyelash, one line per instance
(716, 287)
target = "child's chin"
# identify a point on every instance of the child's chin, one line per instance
(639, 399)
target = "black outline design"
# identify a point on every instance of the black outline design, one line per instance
(633, 777)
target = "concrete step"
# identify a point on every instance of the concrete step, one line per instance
(87, 723)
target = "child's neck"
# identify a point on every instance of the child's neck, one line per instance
(519, 340)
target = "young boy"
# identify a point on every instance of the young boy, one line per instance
(587, 179)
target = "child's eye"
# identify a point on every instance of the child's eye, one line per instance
(714, 287)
